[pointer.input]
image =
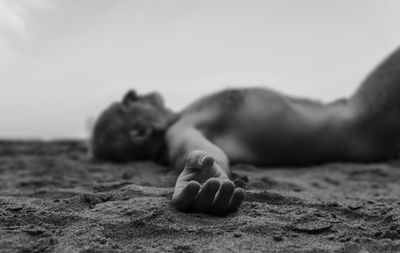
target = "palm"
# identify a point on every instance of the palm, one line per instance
(202, 187)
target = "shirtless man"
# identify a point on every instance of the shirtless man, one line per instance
(254, 125)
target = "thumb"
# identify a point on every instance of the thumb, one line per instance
(199, 160)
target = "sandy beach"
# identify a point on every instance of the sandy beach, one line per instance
(54, 199)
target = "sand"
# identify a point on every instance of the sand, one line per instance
(54, 199)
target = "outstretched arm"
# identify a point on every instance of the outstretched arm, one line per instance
(204, 184)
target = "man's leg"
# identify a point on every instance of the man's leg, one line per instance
(377, 108)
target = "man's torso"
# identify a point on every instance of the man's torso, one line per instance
(261, 126)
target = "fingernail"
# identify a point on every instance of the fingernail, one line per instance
(207, 161)
(203, 159)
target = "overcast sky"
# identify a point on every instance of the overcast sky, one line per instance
(62, 61)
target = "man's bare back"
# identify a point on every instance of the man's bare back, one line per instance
(257, 126)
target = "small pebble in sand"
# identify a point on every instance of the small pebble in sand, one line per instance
(354, 206)
(345, 239)
(311, 225)
(31, 230)
(331, 237)
(333, 203)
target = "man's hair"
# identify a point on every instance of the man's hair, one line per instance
(110, 138)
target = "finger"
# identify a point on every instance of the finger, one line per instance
(237, 199)
(199, 159)
(205, 197)
(206, 161)
(183, 199)
(221, 201)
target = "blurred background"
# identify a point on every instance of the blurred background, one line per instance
(63, 61)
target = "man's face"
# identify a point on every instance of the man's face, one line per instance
(132, 129)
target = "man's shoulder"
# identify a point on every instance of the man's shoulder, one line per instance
(226, 99)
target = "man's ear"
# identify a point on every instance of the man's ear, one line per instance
(138, 136)
(131, 95)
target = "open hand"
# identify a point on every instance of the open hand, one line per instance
(204, 187)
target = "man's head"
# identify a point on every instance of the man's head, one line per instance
(132, 129)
